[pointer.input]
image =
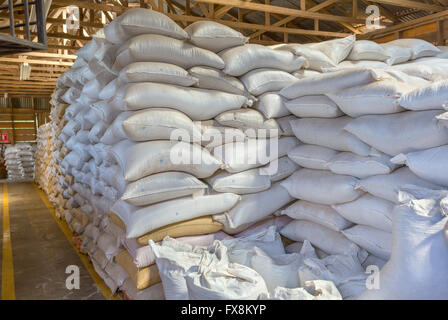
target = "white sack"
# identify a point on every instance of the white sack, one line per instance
(138, 21)
(142, 159)
(367, 50)
(313, 106)
(242, 59)
(434, 96)
(321, 186)
(263, 80)
(360, 167)
(312, 156)
(368, 210)
(198, 104)
(156, 72)
(430, 165)
(158, 215)
(250, 181)
(337, 49)
(375, 241)
(161, 187)
(419, 251)
(214, 36)
(317, 213)
(387, 186)
(157, 48)
(330, 133)
(158, 124)
(255, 207)
(329, 82)
(420, 48)
(272, 105)
(400, 133)
(380, 97)
(252, 153)
(323, 238)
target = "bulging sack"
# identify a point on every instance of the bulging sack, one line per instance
(434, 96)
(272, 105)
(396, 54)
(253, 153)
(367, 50)
(419, 250)
(312, 156)
(420, 48)
(214, 79)
(242, 59)
(156, 72)
(430, 165)
(337, 50)
(215, 281)
(374, 241)
(360, 167)
(158, 215)
(323, 238)
(254, 207)
(262, 80)
(248, 119)
(314, 106)
(250, 181)
(400, 133)
(315, 59)
(329, 133)
(161, 187)
(279, 169)
(158, 124)
(330, 82)
(321, 186)
(317, 213)
(138, 21)
(368, 210)
(198, 104)
(388, 186)
(214, 36)
(157, 48)
(139, 160)
(380, 97)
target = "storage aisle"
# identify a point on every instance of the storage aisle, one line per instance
(38, 253)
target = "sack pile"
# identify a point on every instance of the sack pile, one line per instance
(179, 150)
(367, 133)
(19, 162)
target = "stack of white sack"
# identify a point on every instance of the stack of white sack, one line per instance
(12, 162)
(412, 56)
(19, 162)
(359, 126)
(142, 84)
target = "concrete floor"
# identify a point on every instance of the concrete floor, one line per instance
(40, 250)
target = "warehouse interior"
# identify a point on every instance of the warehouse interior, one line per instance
(351, 94)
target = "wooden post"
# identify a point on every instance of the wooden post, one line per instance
(440, 35)
(267, 15)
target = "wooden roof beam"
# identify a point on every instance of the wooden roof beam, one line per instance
(283, 11)
(411, 4)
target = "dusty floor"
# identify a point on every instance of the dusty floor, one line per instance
(40, 250)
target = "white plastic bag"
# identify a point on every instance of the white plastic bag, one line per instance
(321, 186)
(368, 210)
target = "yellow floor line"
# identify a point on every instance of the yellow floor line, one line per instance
(8, 289)
(85, 260)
